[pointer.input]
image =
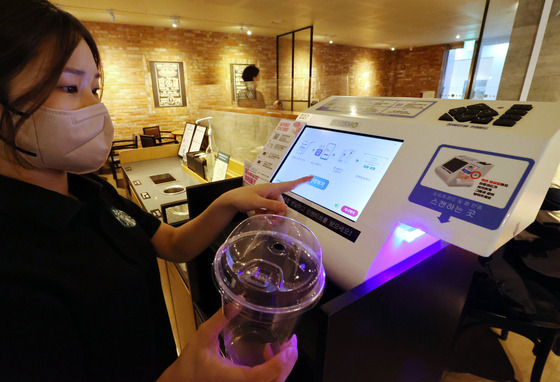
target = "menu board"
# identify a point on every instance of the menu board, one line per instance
(272, 153)
(168, 84)
(187, 139)
(197, 138)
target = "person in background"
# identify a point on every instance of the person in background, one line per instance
(80, 290)
(250, 96)
(277, 105)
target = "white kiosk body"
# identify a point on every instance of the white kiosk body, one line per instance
(394, 175)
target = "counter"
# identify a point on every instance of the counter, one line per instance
(150, 194)
(286, 114)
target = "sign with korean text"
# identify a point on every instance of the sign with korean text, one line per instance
(475, 186)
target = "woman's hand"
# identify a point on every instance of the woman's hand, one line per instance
(262, 198)
(184, 243)
(201, 360)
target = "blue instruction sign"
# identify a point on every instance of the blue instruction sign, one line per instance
(475, 186)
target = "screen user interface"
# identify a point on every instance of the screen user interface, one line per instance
(346, 167)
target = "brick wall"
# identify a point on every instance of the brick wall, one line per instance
(349, 70)
(127, 49)
(337, 69)
(416, 70)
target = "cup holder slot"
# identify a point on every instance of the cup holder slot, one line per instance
(173, 190)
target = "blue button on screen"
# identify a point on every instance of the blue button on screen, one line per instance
(319, 183)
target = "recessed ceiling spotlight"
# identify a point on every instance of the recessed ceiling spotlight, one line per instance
(249, 31)
(175, 21)
(392, 48)
(330, 41)
(458, 36)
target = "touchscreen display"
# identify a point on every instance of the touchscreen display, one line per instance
(346, 167)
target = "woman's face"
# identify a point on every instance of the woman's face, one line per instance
(77, 87)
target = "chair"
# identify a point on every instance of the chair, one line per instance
(148, 140)
(543, 334)
(156, 132)
(114, 158)
(520, 298)
(506, 295)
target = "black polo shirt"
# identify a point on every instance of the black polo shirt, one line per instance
(80, 293)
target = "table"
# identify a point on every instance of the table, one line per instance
(178, 134)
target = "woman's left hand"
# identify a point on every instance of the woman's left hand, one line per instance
(201, 361)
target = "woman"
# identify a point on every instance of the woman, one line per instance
(250, 96)
(79, 286)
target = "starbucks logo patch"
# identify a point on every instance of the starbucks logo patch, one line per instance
(123, 218)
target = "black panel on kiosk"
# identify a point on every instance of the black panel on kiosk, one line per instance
(205, 296)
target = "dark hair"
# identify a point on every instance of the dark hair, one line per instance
(249, 73)
(25, 27)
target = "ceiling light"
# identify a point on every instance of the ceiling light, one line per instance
(175, 21)
(392, 48)
(330, 41)
(249, 31)
(458, 36)
(112, 14)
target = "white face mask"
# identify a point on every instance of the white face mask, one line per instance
(76, 141)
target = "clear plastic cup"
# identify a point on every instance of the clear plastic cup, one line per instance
(269, 271)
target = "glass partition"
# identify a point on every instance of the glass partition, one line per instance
(493, 49)
(284, 49)
(489, 54)
(294, 51)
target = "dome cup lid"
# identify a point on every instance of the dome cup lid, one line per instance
(271, 264)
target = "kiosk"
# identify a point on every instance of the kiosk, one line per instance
(404, 193)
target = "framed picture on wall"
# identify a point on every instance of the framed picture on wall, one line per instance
(236, 71)
(168, 81)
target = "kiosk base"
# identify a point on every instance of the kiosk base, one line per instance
(397, 330)
(397, 326)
